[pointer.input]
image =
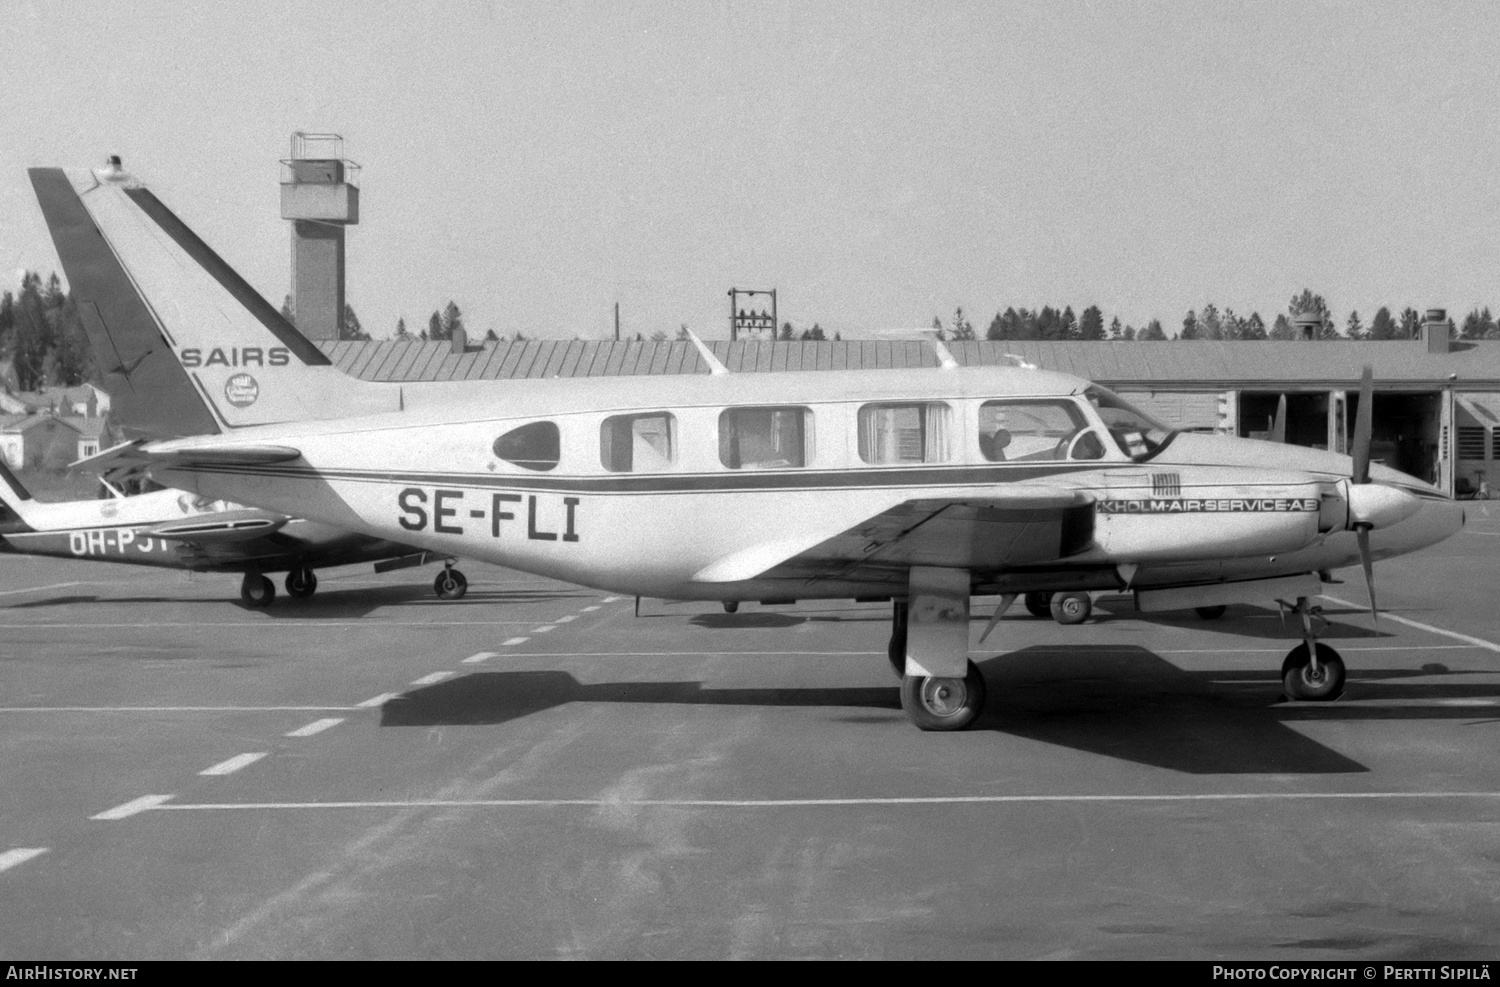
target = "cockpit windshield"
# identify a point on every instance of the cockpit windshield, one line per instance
(1137, 434)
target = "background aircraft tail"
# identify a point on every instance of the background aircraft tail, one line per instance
(186, 346)
(15, 502)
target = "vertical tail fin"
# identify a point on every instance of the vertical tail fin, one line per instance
(15, 502)
(187, 346)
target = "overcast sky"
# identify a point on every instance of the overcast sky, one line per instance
(878, 163)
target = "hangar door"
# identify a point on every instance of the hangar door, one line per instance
(1190, 411)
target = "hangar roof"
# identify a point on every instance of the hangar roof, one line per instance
(1174, 365)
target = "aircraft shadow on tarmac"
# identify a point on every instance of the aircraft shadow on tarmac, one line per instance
(1243, 620)
(1119, 702)
(330, 602)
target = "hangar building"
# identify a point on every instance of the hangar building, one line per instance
(1436, 410)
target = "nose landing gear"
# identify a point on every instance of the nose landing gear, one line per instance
(1312, 671)
(450, 584)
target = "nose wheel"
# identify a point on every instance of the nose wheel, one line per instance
(1312, 671)
(450, 584)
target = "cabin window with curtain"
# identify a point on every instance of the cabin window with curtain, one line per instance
(904, 433)
(1036, 430)
(765, 438)
(535, 447)
(637, 443)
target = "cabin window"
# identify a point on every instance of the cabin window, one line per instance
(534, 447)
(637, 443)
(904, 433)
(765, 438)
(1036, 430)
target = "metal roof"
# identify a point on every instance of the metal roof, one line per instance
(1173, 365)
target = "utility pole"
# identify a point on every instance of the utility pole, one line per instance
(751, 320)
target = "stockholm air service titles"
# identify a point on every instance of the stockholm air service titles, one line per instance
(445, 510)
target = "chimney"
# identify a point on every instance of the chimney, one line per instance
(1437, 328)
(1309, 325)
(459, 340)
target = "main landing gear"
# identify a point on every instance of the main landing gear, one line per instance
(1312, 672)
(941, 689)
(450, 584)
(301, 583)
(256, 590)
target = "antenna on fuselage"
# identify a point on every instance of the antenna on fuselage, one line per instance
(714, 366)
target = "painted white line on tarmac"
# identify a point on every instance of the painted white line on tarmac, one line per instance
(610, 599)
(588, 609)
(316, 726)
(233, 764)
(701, 654)
(544, 629)
(564, 620)
(179, 709)
(379, 700)
(512, 642)
(1282, 651)
(824, 802)
(272, 624)
(1478, 642)
(18, 856)
(38, 589)
(1487, 534)
(132, 807)
(432, 679)
(476, 659)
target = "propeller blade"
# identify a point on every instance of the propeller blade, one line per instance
(1363, 534)
(1278, 424)
(1362, 426)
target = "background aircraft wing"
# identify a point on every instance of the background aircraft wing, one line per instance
(1017, 525)
(221, 527)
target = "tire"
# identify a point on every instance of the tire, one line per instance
(941, 703)
(301, 583)
(1071, 608)
(256, 590)
(450, 584)
(731, 606)
(1298, 681)
(1039, 604)
(1211, 613)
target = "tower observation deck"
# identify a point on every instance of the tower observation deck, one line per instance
(320, 198)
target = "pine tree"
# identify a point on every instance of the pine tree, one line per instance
(815, 334)
(1189, 326)
(1115, 331)
(351, 329)
(32, 338)
(1282, 328)
(1091, 323)
(963, 329)
(787, 332)
(1067, 327)
(1153, 330)
(452, 320)
(434, 327)
(1254, 327)
(1383, 326)
(1354, 328)
(1411, 324)
(1307, 304)
(402, 335)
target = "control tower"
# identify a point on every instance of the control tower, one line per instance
(319, 196)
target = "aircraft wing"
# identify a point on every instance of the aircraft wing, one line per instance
(1019, 524)
(221, 527)
(134, 455)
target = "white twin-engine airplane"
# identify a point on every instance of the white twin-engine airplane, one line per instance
(923, 486)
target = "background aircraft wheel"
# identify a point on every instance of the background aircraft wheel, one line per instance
(1211, 613)
(943, 703)
(450, 585)
(1071, 608)
(301, 583)
(731, 606)
(1039, 604)
(1299, 681)
(257, 590)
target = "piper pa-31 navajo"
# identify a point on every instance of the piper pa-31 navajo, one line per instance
(925, 486)
(175, 529)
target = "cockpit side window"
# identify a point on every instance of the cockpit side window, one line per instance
(536, 446)
(638, 443)
(1137, 434)
(1041, 429)
(765, 438)
(904, 433)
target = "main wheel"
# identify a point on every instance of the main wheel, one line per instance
(1039, 604)
(935, 703)
(895, 649)
(1211, 613)
(301, 583)
(1071, 608)
(257, 590)
(450, 584)
(1301, 682)
(731, 606)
